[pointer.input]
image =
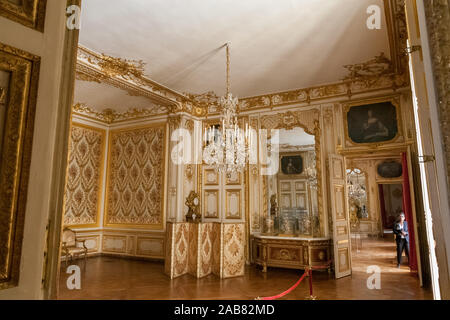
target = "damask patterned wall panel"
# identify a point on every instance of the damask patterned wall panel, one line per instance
(84, 176)
(216, 256)
(206, 250)
(233, 250)
(135, 190)
(180, 249)
(200, 249)
(194, 230)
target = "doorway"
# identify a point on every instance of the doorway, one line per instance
(374, 201)
(391, 205)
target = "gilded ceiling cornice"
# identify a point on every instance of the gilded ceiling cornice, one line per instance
(124, 74)
(344, 88)
(110, 116)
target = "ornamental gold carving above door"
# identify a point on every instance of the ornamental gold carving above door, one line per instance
(84, 176)
(135, 189)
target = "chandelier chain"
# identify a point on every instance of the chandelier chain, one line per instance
(228, 68)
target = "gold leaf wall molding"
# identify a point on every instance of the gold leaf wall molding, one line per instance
(344, 88)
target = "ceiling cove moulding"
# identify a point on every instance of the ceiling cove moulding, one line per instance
(110, 116)
(206, 104)
(124, 74)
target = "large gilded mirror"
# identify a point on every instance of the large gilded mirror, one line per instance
(293, 190)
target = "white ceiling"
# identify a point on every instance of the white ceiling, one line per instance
(102, 96)
(276, 44)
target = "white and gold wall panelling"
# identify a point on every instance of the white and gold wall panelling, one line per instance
(92, 239)
(136, 174)
(134, 243)
(182, 163)
(85, 172)
(255, 197)
(212, 194)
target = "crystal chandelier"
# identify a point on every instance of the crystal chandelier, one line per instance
(227, 149)
(355, 190)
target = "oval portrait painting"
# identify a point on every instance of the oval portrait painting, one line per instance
(390, 169)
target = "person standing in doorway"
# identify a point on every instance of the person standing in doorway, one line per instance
(401, 237)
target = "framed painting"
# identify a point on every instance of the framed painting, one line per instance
(30, 13)
(372, 123)
(292, 164)
(390, 169)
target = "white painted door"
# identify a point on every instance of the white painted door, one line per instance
(425, 138)
(339, 209)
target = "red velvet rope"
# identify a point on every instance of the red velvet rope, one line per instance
(288, 290)
(307, 270)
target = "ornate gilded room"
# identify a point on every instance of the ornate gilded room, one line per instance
(231, 150)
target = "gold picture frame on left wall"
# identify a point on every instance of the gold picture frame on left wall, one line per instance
(30, 13)
(17, 138)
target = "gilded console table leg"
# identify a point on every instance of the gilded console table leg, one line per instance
(264, 265)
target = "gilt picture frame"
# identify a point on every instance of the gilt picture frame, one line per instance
(291, 164)
(17, 133)
(30, 13)
(390, 169)
(372, 123)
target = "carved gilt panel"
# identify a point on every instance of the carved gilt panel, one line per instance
(21, 71)
(30, 13)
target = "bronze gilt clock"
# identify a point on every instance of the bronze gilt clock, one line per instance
(193, 203)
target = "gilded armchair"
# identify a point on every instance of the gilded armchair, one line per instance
(70, 245)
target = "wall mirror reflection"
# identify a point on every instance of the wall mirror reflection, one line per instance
(357, 197)
(293, 205)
